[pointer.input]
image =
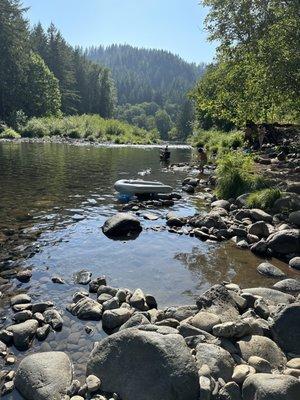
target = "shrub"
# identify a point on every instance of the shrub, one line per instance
(264, 199)
(236, 175)
(36, 128)
(218, 142)
(9, 133)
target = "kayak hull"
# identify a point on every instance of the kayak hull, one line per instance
(141, 187)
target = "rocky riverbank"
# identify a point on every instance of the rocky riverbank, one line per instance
(232, 344)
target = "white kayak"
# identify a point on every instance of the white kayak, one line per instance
(134, 186)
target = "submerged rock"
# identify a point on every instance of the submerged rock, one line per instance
(150, 366)
(44, 376)
(269, 269)
(23, 333)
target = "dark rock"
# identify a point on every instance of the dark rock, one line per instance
(23, 333)
(288, 285)
(87, 309)
(121, 224)
(53, 318)
(269, 269)
(24, 276)
(112, 319)
(20, 299)
(285, 241)
(286, 328)
(168, 372)
(95, 283)
(295, 263)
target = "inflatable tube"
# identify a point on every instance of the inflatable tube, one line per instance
(133, 186)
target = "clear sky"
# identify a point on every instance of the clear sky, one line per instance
(175, 25)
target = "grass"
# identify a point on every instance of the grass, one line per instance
(264, 198)
(88, 127)
(9, 133)
(218, 142)
(236, 175)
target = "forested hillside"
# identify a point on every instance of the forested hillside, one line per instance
(146, 75)
(40, 74)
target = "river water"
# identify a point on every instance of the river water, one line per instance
(66, 192)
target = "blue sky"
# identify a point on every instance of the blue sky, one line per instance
(175, 25)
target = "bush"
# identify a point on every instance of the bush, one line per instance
(218, 142)
(264, 199)
(9, 133)
(35, 128)
(236, 175)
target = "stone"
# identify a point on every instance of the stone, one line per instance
(24, 276)
(121, 224)
(138, 300)
(295, 263)
(43, 332)
(288, 202)
(44, 376)
(112, 319)
(269, 269)
(95, 283)
(79, 295)
(218, 301)
(179, 313)
(53, 318)
(93, 383)
(294, 218)
(241, 372)
(8, 387)
(151, 301)
(23, 333)
(272, 296)
(87, 309)
(284, 242)
(41, 306)
(22, 316)
(259, 364)
(259, 229)
(230, 329)
(205, 387)
(260, 215)
(221, 204)
(204, 320)
(20, 299)
(288, 285)
(104, 297)
(73, 388)
(271, 387)
(230, 391)
(263, 347)
(83, 277)
(261, 308)
(219, 360)
(57, 279)
(111, 304)
(286, 328)
(107, 289)
(294, 363)
(170, 368)
(135, 320)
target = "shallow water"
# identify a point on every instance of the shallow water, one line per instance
(68, 191)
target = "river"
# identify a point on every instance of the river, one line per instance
(66, 193)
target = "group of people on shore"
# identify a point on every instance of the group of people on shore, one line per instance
(201, 156)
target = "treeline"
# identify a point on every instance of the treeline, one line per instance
(41, 75)
(147, 75)
(256, 76)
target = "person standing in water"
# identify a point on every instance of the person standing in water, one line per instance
(202, 158)
(165, 154)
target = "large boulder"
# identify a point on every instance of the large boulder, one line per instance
(262, 347)
(44, 376)
(271, 387)
(288, 285)
(288, 202)
(259, 228)
(286, 328)
(220, 362)
(145, 365)
(121, 224)
(284, 242)
(218, 300)
(23, 333)
(259, 215)
(270, 295)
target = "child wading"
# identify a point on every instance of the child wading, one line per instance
(202, 158)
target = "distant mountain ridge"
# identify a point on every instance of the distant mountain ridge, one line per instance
(145, 75)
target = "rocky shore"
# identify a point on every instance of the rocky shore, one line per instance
(233, 343)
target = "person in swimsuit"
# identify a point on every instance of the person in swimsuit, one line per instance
(202, 157)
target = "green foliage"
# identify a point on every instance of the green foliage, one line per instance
(90, 127)
(9, 133)
(256, 76)
(218, 142)
(236, 175)
(264, 198)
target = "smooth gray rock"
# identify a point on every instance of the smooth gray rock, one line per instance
(263, 347)
(138, 300)
(219, 360)
(149, 365)
(285, 241)
(83, 277)
(221, 204)
(259, 215)
(53, 318)
(295, 263)
(87, 309)
(288, 285)
(121, 224)
(23, 333)
(294, 218)
(271, 295)
(204, 320)
(179, 313)
(230, 391)
(44, 376)
(235, 329)
(286, 328)
(20, 299)
(218, 300)
(271, 387)
(259, 229)
(135, 320)
(269, 269)
(112, 319)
